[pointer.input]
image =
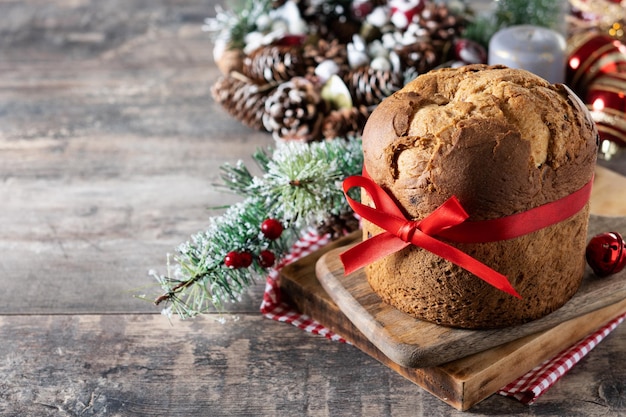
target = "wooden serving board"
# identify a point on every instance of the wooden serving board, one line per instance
(466, 381)
(416, 343)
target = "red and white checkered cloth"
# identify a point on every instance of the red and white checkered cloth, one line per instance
(538, 380)
(526, 388)
(274, 308)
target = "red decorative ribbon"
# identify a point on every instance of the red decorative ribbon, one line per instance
(447, 221)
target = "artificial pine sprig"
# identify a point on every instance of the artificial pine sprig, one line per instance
(201, 281)
(546, 13)
(300, 187)
(234, 24)
(302, 184)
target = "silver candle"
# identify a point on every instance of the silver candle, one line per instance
(536, 49)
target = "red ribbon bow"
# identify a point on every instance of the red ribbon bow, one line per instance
(448, 221)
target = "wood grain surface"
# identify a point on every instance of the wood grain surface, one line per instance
(462, 383)
(109, 145)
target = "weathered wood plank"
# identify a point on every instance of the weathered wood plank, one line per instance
(87, 234)
(44, 30)
(109, 146)
(108, 142)
(140, 365)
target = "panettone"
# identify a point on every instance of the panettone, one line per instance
(503, 141)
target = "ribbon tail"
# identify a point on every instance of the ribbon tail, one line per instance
(370, 250)
(493, 278)
(465, 261)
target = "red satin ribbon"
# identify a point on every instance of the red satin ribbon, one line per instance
(447, 221)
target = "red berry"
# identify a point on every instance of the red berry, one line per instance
(245, 259)
(232, 259)
(267, 258)
(271, 228)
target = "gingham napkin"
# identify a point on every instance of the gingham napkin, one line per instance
(274, 308)
(538, 380)
(526, 388)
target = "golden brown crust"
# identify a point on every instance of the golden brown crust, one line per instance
(503, 141)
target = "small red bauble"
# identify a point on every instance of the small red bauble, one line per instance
(469, 52)
(271, 228)
(267, 258)
(291, 40)
(606, 254)
(232, 259)
(360, 9)
(245, 259)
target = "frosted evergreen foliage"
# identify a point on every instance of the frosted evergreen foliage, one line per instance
(233, 24)
(545, 13)
(300, 186)
(303, 182)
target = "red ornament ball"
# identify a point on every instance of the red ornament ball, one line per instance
(267, 258)
(606, 254)
(272, 228)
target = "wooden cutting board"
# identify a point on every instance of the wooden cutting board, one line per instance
(463, 382)
(416, 343)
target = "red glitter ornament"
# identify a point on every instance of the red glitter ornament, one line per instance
(267, 258)
(592, 55)
(606, 254)
(271, 228)
(606, 99)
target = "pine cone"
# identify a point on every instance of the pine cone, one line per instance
(323, 50)
(369, 87)
(421, 56)
(438, 23)
(338, 225)
(242, 100)
(274, 63)
(231, 60)
(295, 111)
(345, 122)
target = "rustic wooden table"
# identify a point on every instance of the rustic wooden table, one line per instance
(109, 142)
